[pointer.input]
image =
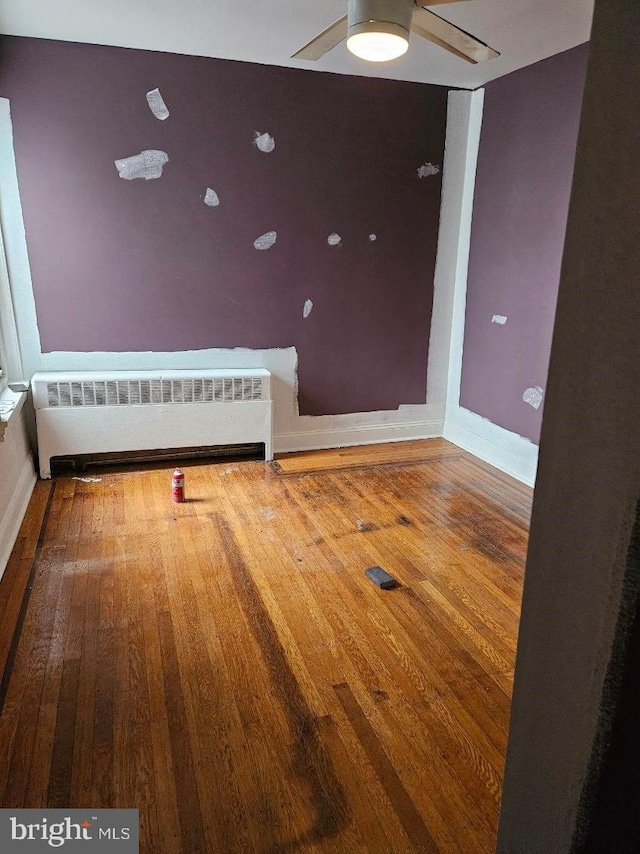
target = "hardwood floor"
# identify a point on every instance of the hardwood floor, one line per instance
(224, 665)
(366, 455)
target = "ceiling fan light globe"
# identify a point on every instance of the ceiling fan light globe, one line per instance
(375, 46)
(378, 30)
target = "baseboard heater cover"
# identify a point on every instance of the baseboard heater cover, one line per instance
(92, 413)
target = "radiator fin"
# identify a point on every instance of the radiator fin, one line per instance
(153, 392)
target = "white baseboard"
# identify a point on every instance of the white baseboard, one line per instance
(503, 449)
(12, 519)
(340, 437)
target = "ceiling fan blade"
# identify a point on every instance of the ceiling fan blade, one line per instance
(451, 38)
(323, 42)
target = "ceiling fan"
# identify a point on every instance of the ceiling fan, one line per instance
(378, 30)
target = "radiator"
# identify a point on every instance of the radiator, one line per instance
(93, 413)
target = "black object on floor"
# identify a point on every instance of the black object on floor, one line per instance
(380, 577)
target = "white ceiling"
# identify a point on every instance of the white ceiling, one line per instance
(269, 31)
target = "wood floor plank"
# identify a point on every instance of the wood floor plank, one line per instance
(16, 575)
(290, 589)
(368, 455)
(272, 801)
(361, 590)
(48, 608)
(411, 820)
(224, 666)
(449, 540)
(102, 762)
(477, 759)
(216, 776)
(428, 580)
(314, 768)
(189, 808)
(383, 641)
(59, 794)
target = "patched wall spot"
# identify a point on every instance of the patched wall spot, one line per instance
(266, 240)
(211, 198)
(157, 105)
(148, 164)
(264, 142)
(533, 396)
(428, 169)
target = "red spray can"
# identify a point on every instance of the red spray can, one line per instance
(177, 486)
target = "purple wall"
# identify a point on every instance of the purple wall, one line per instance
(144, 265)
(525, 169)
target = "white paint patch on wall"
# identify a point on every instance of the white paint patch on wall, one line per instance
(266, 240)
(148, 164)
(533, 396)
(499, 318)
(157, 105)
(308, 305)
(264, 141)
(211, 198)
(334, 239)
(373, 237)
(428, 169)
